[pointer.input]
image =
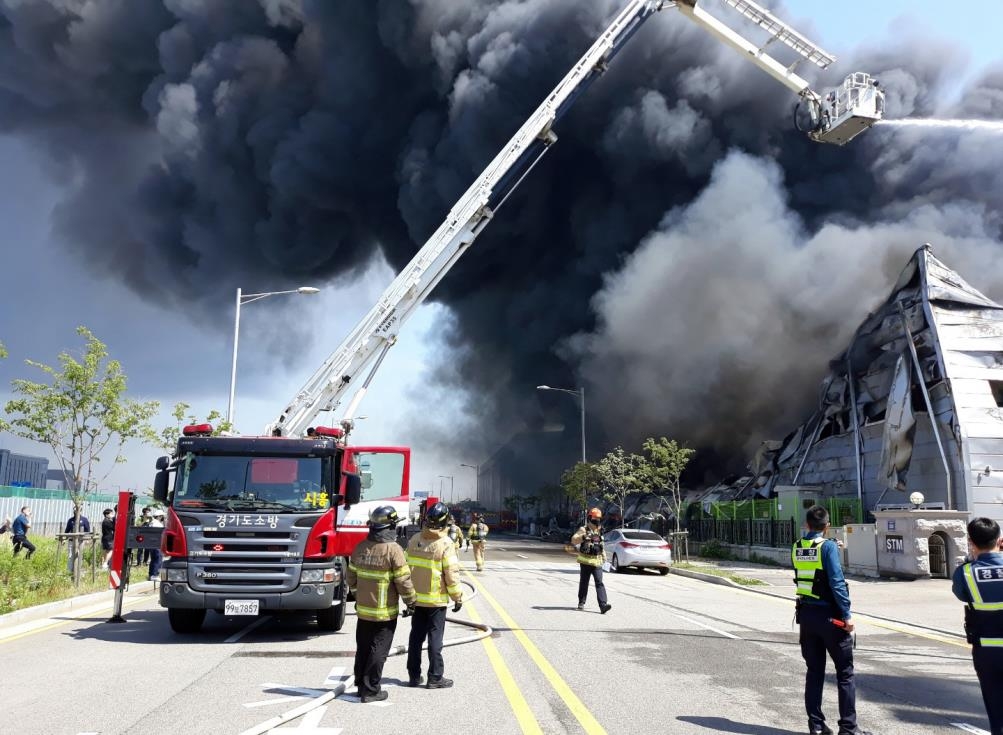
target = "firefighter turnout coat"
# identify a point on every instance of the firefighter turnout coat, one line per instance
(477, 533)
(590, 538)
(435, 569)
(378, 574)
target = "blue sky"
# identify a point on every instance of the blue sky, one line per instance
(169, 358)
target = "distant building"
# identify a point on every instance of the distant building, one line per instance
(57, 480)
(872, 438)
(528, 462)
(22, 470)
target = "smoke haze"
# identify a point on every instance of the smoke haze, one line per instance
(682, 249)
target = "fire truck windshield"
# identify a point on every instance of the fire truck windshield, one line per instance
(275, 484)
(382, 474)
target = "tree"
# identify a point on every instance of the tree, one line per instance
(621, 474)
(579, 482)
(666, 460)
(168, 437)
(3, 351)
(82, 414)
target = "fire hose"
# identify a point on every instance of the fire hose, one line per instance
(484, 631)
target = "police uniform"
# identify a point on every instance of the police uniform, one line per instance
(378, 575)
(979, 584)
(591, 555)
(477, 535)
(822, 598)
(436, 575)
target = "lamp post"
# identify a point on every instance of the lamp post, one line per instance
(247, 298)
(450, 478)
(477, 478)
(580, 393)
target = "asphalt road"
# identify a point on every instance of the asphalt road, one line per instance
(674, 655)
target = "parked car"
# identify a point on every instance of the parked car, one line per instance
(626, 547)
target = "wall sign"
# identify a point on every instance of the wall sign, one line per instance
(894, 545)
(891, 524)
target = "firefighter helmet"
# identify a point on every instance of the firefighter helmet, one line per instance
(595, 514)
(382, 517)
(436, 516)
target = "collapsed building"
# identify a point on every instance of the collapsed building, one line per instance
(935, 347)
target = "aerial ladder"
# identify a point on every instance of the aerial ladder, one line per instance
(835, 119)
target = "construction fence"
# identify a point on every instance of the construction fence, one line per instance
(51, 508)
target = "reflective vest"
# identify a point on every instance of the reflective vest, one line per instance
(983, 618)
(809, 574)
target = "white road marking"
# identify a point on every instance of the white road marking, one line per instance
(311, 724)
(522, 556)
(334, 678)
(970, 728)
(704, 625)
(280, 700)
(244, 631)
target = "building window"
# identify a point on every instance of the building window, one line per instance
(996, 386)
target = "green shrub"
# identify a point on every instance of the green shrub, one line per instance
(44, 577)
(714, 549)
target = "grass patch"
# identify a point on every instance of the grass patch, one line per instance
(44, 577)
(716, 572)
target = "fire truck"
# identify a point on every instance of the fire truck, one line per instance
(265, 523)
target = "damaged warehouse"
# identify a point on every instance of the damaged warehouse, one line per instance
(871, 439)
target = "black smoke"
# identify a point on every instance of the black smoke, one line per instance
(209, 142)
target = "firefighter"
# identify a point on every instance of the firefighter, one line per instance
(436, 576)
(591, 557)
(377, 574)
(823, 612)
(454, 533)
(477, 534)
(979, 584)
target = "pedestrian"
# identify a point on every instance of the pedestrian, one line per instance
(156, 557)
(435, 572)
(144, 520)
(378, 576)
(826, 625)
(979, 584)
(591, 557)
(478, 535)
(19, 532)
(454, 533)
(107, 535)
(76, 543)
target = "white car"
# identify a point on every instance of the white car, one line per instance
(626, 547)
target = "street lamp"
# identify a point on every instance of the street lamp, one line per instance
(450, 478)
(580, 393)
(477, 478)
(247, 298)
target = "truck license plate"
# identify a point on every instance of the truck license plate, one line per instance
(240, 607)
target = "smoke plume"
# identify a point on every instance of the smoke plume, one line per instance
(681, 248)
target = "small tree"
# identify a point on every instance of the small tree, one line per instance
(3, 351)
(666, 460)
(621, 474)
(168, 437)
(81, 413)
(579, 482)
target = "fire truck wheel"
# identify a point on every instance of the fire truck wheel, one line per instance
(185, 621)
(332, 619)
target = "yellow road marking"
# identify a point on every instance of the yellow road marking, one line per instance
(527, 721)
(578, 709)
(93, 610)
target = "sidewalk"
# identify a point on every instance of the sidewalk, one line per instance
(14, 622)
(923, 603)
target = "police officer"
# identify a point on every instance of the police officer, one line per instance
(436, 576)
(454, 533)
(591, 556)
(979, 584)
(823, 611)
(477, 534)
(377, 574)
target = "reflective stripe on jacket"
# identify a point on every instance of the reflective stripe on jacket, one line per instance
(435, 569)
(378, 574)
(576, 540)
(983, 583)
(806, 555)
(478, 532)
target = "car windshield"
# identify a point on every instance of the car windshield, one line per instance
(275, 484)
(642, 536)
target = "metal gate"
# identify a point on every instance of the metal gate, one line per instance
(938, 556)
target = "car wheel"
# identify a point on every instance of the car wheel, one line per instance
(184, 620)
(663, 570)
(614, 565)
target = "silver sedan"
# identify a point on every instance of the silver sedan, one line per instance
(629, 548)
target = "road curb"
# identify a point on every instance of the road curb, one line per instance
(713, 579)
(37, 612)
